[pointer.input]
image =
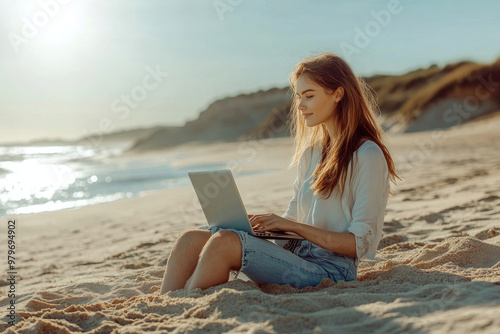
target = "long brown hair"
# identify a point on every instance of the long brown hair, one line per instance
(354, 119)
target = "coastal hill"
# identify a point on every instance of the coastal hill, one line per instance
(228, 119)
(438, 98)
(424, 99)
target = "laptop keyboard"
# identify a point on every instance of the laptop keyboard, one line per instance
(270, 233)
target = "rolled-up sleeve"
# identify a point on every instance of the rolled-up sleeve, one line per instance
(370, 192)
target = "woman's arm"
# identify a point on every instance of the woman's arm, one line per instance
(343, 243)
(339, 242)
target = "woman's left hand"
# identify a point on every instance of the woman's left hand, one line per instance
(271, 222)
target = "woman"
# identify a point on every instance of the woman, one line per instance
(338, 146)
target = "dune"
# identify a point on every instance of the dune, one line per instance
(420, 100)
(98, 269)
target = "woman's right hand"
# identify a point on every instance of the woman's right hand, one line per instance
(251, 219)
(271, 222)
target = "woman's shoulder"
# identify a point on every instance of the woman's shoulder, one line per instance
(369, 146)
(311, 150)
(370, 154)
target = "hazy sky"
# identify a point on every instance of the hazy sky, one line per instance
(70, 67)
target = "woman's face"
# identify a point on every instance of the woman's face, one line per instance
(315, 104)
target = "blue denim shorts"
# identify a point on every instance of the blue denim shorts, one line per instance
(299, 263)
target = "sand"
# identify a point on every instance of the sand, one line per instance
(98, 269)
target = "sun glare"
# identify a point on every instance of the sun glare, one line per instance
(64, 28)
(32, 178)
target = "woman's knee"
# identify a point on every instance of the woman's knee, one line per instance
(225, 241)
(193, 237)
(225, 236)
(225, 245)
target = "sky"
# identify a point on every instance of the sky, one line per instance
(71, 68)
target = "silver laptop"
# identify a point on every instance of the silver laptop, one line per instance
(221, 202)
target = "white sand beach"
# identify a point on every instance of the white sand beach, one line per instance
(98, 269)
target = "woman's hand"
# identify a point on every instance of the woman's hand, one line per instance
(272, 222)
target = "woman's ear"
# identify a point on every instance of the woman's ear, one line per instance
(339, 93)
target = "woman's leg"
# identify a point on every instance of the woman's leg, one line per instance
(221, 254)
(183, 259)
(260, 260)
(265, 262)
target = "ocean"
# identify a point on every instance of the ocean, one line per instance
(48, 178)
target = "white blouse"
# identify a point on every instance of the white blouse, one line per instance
(361, 209)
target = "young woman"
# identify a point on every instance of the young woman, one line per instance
(338, 207)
